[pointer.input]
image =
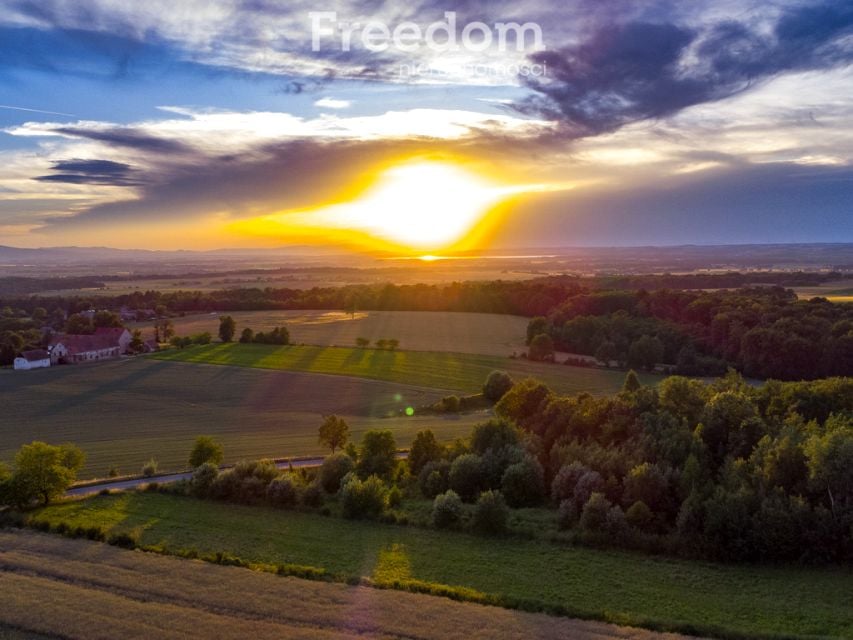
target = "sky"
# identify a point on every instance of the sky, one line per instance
(425, 127)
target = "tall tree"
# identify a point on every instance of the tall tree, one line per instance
(334, 432)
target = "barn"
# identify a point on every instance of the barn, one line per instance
(33, 359)
(106, 343)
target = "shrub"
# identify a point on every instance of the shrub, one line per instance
(466, 476)
(589, 483)
(450, 404)
(123, 539)
(395, 497)
(281, 492)
(640, 516)
(205, 449)
(567, 514)
(447, 510)
(149, 468)
(563, 485)
(312, 495)
(490, 514)
(496, 386)
(615, 524)
(333, 470)
(113, 472)
(363, 498)
(496, 462)
(203, 479)
(594, 514)
(523, 483)
(541, 348)
(494, 434)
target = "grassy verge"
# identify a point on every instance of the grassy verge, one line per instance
(453, 371)
(653, 592)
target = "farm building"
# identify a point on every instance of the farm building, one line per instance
(34, 359)
(104, 344)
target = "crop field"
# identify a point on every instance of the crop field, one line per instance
(456, 372)
(700, 597)
(834, 291)
(133, 595)
(480, 333)
(124, 412)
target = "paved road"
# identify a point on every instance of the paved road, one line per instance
(121, 485)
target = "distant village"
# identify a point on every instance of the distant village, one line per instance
(101, 343)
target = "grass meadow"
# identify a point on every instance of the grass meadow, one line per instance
(454, 372)
(123, 412)
(625, 588)
(479, 333)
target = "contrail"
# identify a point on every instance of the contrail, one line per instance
(53, 113)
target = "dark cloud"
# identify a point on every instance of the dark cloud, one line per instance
(736, 203)
(101, 172)
(130, 138)
(645, 70)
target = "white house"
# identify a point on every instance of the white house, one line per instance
(104, 344)
(34, 359)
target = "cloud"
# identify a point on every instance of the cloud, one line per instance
(332, 103)
(644, 70)
(99, 172)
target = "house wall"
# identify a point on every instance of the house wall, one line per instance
(22, 364)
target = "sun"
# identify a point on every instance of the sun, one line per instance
(419, 206)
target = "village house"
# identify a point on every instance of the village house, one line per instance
(33, 359)
(104, 344)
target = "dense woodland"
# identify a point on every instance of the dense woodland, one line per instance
(638, 321)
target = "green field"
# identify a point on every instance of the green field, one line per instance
(463, 373)
(702, 598)
(480, 333)
(126, 411)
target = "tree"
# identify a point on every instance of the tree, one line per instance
(496, 386)
(39, 314)
(382, 343)
(830, 462)
(227, 328)
(645, 352)
(205, 449)
(44, 471)
(541, 348)
(494, 434)
(136, 345)
(78, 324)
(377, 454)
(5, 485)
(425, 448)
(523, 483)
(446, 510)
(362, 343)
(247, 336)
(466, 476)
(535, 327)
(363, 499)
(606, 353)
(393, 343)
(491, 513)
(106, 319)
(334, 432)
(632, 382)
(334, 468)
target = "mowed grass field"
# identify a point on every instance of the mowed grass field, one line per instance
(60, 586)
(126, 411)
(455, 372)
(479, 333)
(704, 598)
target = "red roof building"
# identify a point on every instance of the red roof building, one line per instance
(104, 344)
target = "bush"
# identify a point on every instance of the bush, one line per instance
(205, 449)
(450, 404)
(446, 510)
(496, 386)
(523, 484)
(149, 468)
(363, 499)
(395, 497)
(123, 539)
(312, 495)
(490, 514)
(203, 478)
(594, 514)
(466, 476)
(333, 470)
(589, 483)
(567, 514)
(432, 479)
(541, 348)
(563, 485)
(494, 434)
(281, 492)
